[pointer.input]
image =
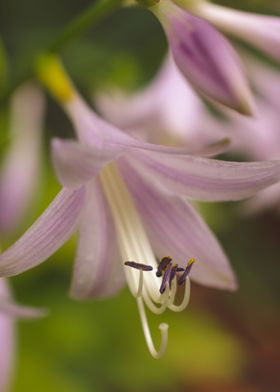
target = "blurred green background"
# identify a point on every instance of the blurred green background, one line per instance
(222, 342)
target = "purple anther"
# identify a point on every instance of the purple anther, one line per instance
(163, 265)
(172, 275)
(186, 273)
(139, 266)
(166, 277)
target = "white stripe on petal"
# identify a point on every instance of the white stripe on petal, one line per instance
(46, 235)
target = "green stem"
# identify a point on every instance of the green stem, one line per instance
(95, 13)
(91, 16)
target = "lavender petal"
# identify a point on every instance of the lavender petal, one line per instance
(46, 235)
(175, 228)
(98, 267)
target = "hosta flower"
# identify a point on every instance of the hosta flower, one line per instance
(167, 109)
(128, 200)
(9, 311)
(204, 56)
(20, 168)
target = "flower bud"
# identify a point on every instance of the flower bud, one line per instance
(261, 31)
(205, 57)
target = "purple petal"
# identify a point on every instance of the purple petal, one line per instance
(261, 31)
(91, 129)
(14, 310)
(267, 199)
(21, 165)
(102, 142)
(176, 229)
(265, 79)
(46, 235)
(130, 112)
(98, 270)
(205, 58)
(7, 338)
(103, 137)
(77, 163)
(213, 149)
(153, 112)
(206, 179)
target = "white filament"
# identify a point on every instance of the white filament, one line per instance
(186, 298)
(151, 305)
(140, 285)
(172, 293)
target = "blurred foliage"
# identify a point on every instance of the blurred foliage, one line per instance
(3, 66)
(223, 342)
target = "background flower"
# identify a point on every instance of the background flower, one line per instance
(21, 165)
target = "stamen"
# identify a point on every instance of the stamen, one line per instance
(186, 298)
(147, 333)
(139, 266)
(183, 277)
(172, 292)
(165, 278)
(172, 274)
(174, 269)
(139, 291)
(163, 265)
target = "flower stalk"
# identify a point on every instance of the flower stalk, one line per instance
(91, 16)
